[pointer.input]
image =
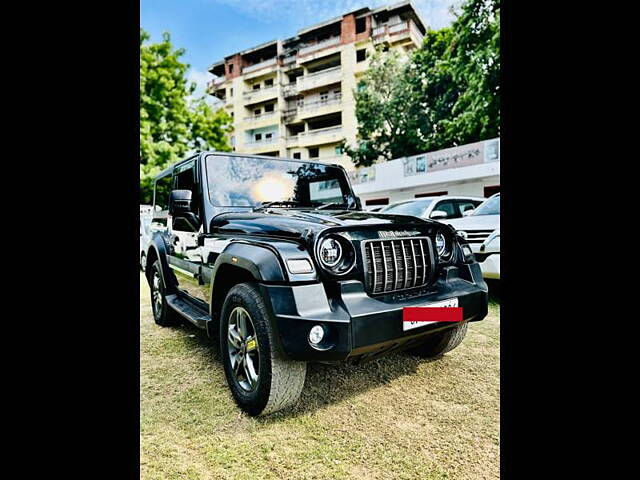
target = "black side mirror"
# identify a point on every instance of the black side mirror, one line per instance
(358, 203)
(180, 202)
(180, 208)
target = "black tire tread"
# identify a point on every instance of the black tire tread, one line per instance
(443, 342)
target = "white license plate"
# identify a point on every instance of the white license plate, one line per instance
(451, 302)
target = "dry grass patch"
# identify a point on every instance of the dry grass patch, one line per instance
(399, 417)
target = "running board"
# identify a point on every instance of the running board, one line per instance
(188, 310)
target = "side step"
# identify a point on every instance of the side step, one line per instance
(188, 310)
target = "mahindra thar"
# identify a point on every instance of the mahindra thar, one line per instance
(278, 262)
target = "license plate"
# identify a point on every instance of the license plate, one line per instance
(410, 313)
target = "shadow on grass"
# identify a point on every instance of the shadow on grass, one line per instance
(324, 384)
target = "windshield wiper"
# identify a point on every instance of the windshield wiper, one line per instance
(284, 203)
(327, 205)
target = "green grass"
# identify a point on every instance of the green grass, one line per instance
(399, 417)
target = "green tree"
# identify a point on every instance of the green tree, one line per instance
(385, 110)
(171, 125)
(474, 59)
(447, 94)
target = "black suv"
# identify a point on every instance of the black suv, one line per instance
(277, 260)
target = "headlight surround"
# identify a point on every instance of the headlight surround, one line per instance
(335, 254)
(444, 247)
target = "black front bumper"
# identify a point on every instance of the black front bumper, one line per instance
(358, 325)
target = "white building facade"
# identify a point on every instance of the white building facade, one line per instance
(472, 169)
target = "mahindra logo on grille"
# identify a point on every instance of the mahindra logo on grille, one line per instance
(398, 234)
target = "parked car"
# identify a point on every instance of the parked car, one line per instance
(277, 260)
(145, 237)
(442, 208)
(481, 229)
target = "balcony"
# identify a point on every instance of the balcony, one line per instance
(260, 146)
(320, 107)
(215, 84)
(397, 32)
(261, 68)
(319, 79)
(290, 90)
(320, 136)
(262, 120)
(261, 95)
(317, 50)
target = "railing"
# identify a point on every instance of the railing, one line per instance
(215, 83)
(319, 46)
(320, 131)
(393, 29)
(262, 116)
(264, 141)
(316, 79)
(306, 106)
(290, 90)
(258, 66)
(260, 91)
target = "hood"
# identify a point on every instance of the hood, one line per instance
(303, 223)
(476, 222)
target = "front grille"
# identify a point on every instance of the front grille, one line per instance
(400, 264)
(477, 236)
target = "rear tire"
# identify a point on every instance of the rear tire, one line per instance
(163, 314)
(143, 261)
(261, 379)
(441, 343)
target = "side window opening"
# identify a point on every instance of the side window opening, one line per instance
(185, 179)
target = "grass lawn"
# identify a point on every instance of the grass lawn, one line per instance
(399, 417)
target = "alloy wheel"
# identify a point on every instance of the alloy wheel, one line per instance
(244, 353)
(156, 294)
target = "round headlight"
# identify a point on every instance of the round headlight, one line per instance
(330, 252)
(441, 244)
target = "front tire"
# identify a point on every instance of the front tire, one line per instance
(163, 314)
(261, 380)
(442, 342)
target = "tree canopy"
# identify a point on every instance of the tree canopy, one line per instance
(446, 94)
(172, 124)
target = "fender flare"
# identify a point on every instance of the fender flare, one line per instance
(159, 247)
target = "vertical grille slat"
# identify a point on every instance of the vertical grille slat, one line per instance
(397, 264)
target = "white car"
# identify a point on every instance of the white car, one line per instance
(481, 229)
(145, 238)
(445, 207)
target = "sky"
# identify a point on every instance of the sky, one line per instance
(209, 30)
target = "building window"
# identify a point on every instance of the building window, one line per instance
(257, 111)
(269, 107)
(268, 82)
(256, 86)
(231, 92)
(361, 55)
(432, 194)
(268, 136)
(296, 155)
(314, 152)
(258, 137)
(491, 190)
(339, 150)
(361, 25)
(231, 68)
(324, 96)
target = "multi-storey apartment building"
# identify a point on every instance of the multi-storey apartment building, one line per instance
(295, 97)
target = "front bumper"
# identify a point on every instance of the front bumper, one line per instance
(358, 325)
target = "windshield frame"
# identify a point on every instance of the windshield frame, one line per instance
(343, 180)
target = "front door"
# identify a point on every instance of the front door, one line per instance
(185, 256)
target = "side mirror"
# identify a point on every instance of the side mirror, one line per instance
(181, 210)
(358, 203)
(179, 202)
(466, 213)
(438, 214)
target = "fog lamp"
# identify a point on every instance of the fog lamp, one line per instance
(316, 334)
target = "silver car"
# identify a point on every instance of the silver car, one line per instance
(445, 207)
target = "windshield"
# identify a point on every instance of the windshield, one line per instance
(416, 208)
(489, 207)
(250, 182)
